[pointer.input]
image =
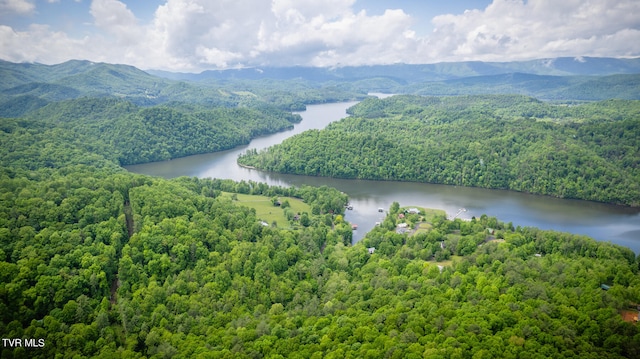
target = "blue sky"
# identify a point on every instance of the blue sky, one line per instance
(194, 35)
(420, 10)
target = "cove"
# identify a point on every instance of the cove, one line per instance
(603, 222)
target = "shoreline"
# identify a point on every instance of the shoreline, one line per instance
(246, 166)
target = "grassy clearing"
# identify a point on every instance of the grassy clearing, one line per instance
(424, 221)
(431, 213)
(423, 227)
(448, 262)
(266, 211)
(245, 93)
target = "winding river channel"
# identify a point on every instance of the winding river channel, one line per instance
(603, 222)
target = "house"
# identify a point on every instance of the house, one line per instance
(402, 228)
(629, 316)
(605, 287)
(401, 215)
(371, 250)
(264, 223)
(413, 211)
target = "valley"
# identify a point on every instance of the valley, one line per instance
(601, 221)
(123, 235)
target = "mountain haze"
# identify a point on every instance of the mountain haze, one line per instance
(410, 73)
(25, 87)
(28, 86)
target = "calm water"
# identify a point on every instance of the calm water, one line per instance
(603, 222)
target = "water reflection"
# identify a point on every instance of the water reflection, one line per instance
(600, 221)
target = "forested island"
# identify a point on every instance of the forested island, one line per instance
(96, 261)
(588, 151)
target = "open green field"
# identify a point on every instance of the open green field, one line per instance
(423, 227)
(453, 236)
(429, 214)
(449, 261)
(266, 211)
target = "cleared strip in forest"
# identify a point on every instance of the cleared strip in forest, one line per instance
(128, 214)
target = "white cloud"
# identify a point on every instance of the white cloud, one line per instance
(509, 29)
(16, 6)
(193, 35)
(116, 19)
(40, 44)
(203, 34)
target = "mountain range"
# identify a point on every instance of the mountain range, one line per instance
(28, 86)
(409, 73)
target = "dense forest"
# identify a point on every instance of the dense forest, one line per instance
(588, 151)
(144, 134)
(99, 262)
(130, 116)
(105, 263)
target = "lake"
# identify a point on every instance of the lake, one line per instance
(603, 222)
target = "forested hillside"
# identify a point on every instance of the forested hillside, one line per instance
(589, 151)
(104, 263)
(26, 87)
(99, 262)
(559, 88)
(132, 134)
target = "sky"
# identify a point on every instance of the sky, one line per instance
(197, 35)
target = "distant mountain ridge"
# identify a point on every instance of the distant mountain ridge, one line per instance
(25, 87)
(28, 86)
(409, 73)
(545, 87)
(78, 74)
(16, 74)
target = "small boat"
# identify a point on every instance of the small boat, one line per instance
(380, 209)
(354, 226)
